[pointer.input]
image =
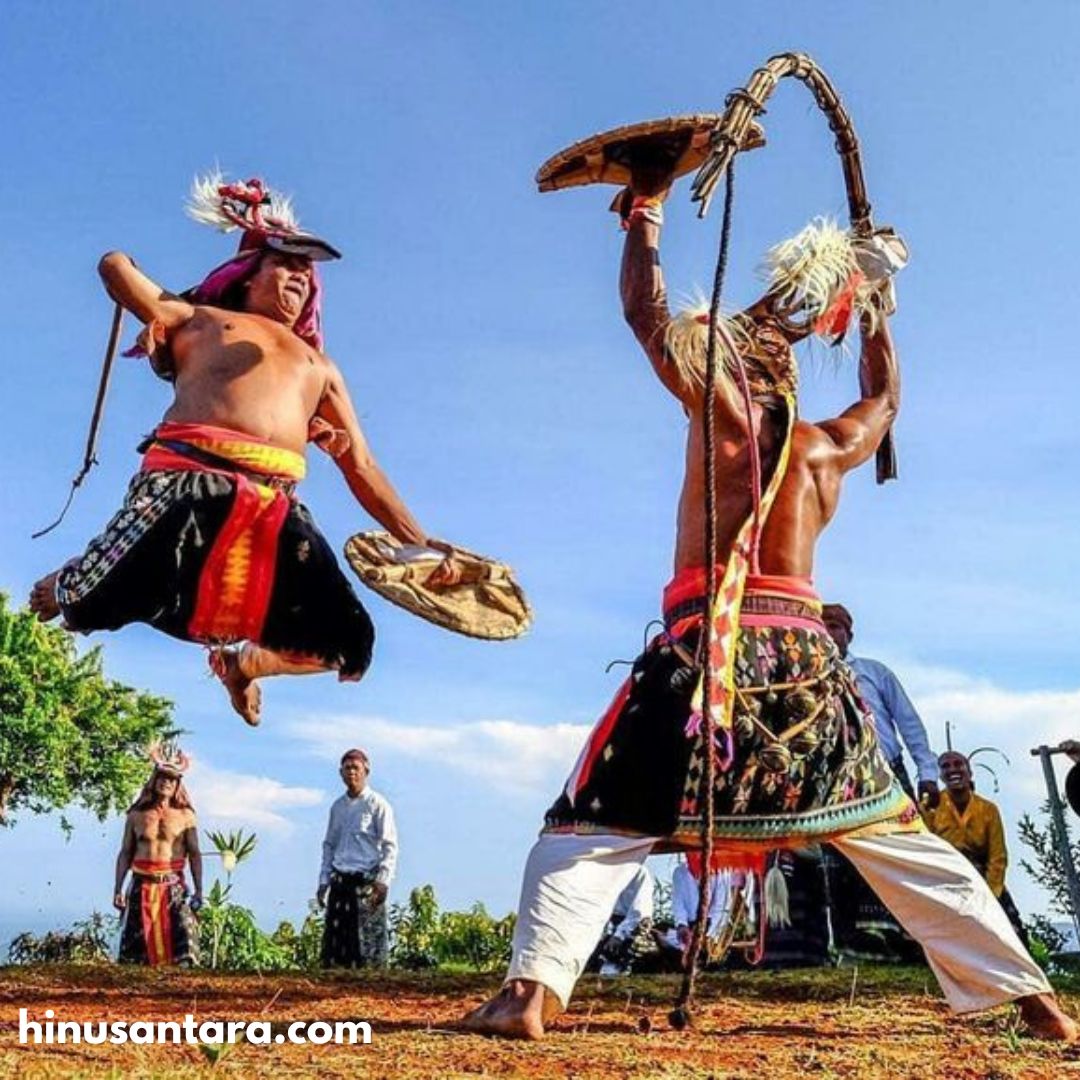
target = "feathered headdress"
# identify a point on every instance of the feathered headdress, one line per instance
(268, 221)
(831, 276)
(823, 274)
(762, 351)
(169, 759)
(266, 217)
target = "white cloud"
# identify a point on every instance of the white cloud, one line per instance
(244, 799)
(514, 757)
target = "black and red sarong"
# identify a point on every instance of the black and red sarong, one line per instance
(211, 545)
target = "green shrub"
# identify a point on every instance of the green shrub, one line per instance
(424, 937)
(88, 941)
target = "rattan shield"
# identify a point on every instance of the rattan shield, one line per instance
(487, 603)
(679, 142)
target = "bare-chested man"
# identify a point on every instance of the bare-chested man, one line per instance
(799, 762)
(160, 836)
(211, 544)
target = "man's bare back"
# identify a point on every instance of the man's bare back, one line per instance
(804, 504)
(819, 456)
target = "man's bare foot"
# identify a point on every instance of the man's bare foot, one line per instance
(1045, 1020)
(518, 1011)
(244, 694)
(43, 598)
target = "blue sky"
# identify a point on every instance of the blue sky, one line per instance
(479, 328)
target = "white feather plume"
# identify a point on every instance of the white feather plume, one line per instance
(806, 270)
(204, 205)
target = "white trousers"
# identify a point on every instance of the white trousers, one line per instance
(571, 883)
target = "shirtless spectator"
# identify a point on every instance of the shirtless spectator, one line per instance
(160, 837)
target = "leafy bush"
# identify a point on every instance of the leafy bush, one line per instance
(1042, 931)
(422, 936)
(413, 928)
(474, 938)
(88, 941)
(1049, 872)
(230, 938)
(304, 948)
(69, 735)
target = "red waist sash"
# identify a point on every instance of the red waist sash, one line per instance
(238, 576)
(247, 452)
(155, 879)
(794, 600)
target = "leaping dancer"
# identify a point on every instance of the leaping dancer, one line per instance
(795, 759)
(211, 544)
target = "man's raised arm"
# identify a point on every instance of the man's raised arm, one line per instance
(641, 281)
(144, 298)
(366, 480)
(858, 432)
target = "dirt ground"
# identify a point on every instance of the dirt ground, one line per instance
(869, 1023)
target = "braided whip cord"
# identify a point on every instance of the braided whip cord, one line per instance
(706, 797)
(90, 454)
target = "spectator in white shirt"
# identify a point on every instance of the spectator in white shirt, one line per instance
(359, 857)
(685, 888)
(631, 924)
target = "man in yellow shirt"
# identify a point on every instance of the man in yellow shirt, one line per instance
(973, 826)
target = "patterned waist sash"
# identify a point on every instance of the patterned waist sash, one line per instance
(767, 599)
(203, 447)
(238, 576)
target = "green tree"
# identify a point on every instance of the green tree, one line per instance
(1048, 869)
(69, 736)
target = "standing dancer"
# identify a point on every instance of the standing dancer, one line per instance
(161, 836)
(800, 762)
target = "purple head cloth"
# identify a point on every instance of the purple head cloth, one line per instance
(241, 268)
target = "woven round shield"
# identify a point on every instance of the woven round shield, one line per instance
(678, 143)
(486, 603)
(1072, 787)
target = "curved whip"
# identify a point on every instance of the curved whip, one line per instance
(741, 108)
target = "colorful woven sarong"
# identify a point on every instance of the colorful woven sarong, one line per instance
(159, 927)
(211, 545)
(805, 764)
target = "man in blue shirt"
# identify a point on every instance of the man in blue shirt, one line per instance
(897, 723)
(359, 857)
(863, 928)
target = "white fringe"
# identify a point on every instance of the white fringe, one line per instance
(686, 340)
(777, 906)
